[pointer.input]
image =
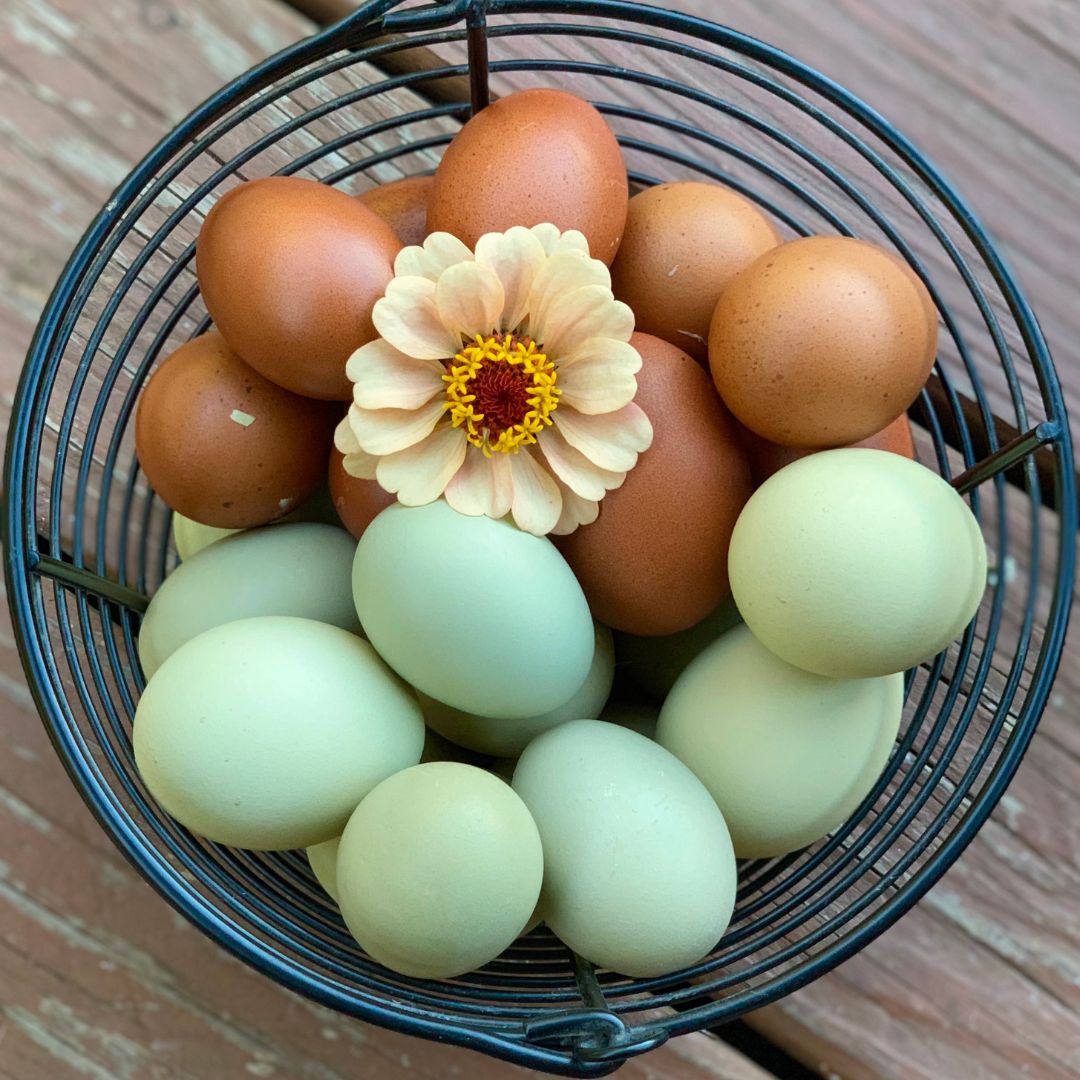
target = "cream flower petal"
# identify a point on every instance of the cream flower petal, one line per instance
(611, 440)
(386, 431)
(504, 485)
(514, 256)
(469, 299)
(481, 486)
(574, 469)
(385, 378)
(356, 461)
(409, 320)
(537, 501)
(553, 241)
(439, 251)
(582, 314)
(598, 376)
(560, 275)
(575, 511)
(419, 474)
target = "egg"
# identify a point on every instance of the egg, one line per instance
(655, 560)
(684, 242)
(535, 156)
(436, 748)
(787, 755)
(290, 270)
(265, 733)
(439, 870)
(767, 458)
(323, 860)
(822, 342)
(473, 611)
(190, 537)
(356, 501)
(507, 738)
(224, 446)
(639, 874)
(854, 563)
(639, 718)
(654, 663)
(402, 204)
(302, 570)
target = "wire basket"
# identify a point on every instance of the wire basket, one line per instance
(87, 540)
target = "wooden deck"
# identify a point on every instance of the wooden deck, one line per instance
(99, 979)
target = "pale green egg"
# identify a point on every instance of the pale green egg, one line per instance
(265, 733)
(300, 570)
(190, 537)
(786, 754)
(439, 870)
(639, 874)
(632, 715)
(323, 859)
(507, 738)
(856, 563)
(471, 611)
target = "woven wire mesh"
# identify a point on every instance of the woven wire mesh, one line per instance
(87, 540)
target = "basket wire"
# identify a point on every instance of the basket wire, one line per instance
(87, 541)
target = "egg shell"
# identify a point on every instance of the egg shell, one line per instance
(507, 738)
(534, 156)
(684, 242)
(323, 860)
(854, 563)
(472, 611)
(653, 664)
(190, 537)
(224, 446)
(290, 270)
(402, 204)
(266, 733)
(822, 341)
(639, 718)
(302, 570)
(787, 755)
(639, 874)
(767, 458)
(436, 748)
(439, 870)
(356, 501)
(655, 560)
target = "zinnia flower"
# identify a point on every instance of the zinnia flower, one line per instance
(502, 380)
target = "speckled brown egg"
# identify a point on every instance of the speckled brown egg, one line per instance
(655, 560)
(290, 270)
(683, 243)
(767, 458)
(223, 445)
(402, 204)
(822, 341)
(356, 501)
(534, 156)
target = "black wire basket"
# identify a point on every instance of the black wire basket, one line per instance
(87, 541)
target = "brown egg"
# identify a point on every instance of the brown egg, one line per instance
(822, 342)
(767, 458)
(356, 501)
(682, 245)
(290, 270)
(534, 156)
(655, 560)
(402, 204)
(224, 446)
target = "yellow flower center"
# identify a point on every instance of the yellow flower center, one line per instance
(503, 390)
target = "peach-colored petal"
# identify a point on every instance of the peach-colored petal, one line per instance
(469, 299)
(419, 474)
(574, 469)
(386, 431)
(611, 440)
(356, 461)
(561, 275)
(553, 241)
(575, 511)
(514, 256)
(537, 502)
(598, 376)
(440, 250)
(481, 486)
(585, 313)
(384, 378)
(409, 320)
